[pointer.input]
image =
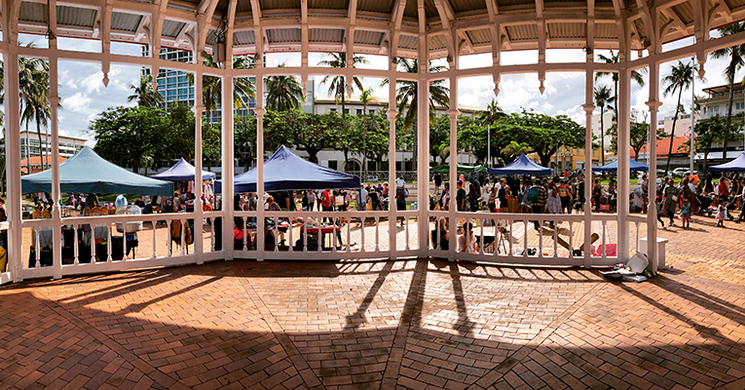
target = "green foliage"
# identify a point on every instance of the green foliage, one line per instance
(124, 134)
(283, 93)
(543, 133)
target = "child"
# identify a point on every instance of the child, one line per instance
(720, 214)
(686, 214)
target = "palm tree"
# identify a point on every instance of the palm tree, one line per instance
(636, 75)
(243, 87)
(283, 93)
(145, 94)
(366, 98)
(514, 150)
(407, 97)
(33, 83)
(602, 98)
(490, 116)
(337, 85)
(680, 78)
(736, 56)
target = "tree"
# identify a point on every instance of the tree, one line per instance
(243, 87)
(283, 93)
(33, 83)
(337, 84)
(543, 133)
(439, 138)
(366, 98)
(490, 116)
(736, 56)
(513, 150)
(708, 133)
(679, 79)
(602, 98)
(244, 140)
(639, 134)
(375, 129)
(178, 139)
(123, 134)
(407, 98)
(636, 75)
(144, 93)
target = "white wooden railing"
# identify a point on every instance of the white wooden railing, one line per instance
(328, 235)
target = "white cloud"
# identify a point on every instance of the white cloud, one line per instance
(79, 102)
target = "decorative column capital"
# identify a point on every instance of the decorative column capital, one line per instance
(653, 105)
(54, 100)
(392, 114)
(589, 108)
(453, 113)
(199, 109)
(260, 111)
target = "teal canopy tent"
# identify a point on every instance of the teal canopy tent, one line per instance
(87, 172)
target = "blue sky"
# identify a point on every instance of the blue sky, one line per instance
(84, 95)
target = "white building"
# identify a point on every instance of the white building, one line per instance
(68, 146)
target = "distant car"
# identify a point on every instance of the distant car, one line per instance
(663, 173)
(372, 178)
(683, 172)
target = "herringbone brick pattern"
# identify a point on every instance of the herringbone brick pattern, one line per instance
(371, 325)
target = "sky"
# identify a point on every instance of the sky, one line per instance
(84, 95)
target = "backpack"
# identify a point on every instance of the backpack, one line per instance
(400, 195)
(533, 194)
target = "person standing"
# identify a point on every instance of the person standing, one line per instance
(438, 182)
(362, 201)
(460, 197)
(326, 204)
(742, 201)
(565, 196)
(540, 204)
(670, 197)
(401, 195)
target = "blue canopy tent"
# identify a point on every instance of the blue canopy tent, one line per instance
(737, 164)
(87, 172)
(613, 166)
(521, 166)
(285, 170)
(182, 171)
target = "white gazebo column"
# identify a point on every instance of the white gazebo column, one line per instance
(654, 105)
(260, 111)
(423, 159)
(624, 123)
(227, 165)
(13, 156)
(54, 100)
(392, 114)
(198, 204)
(453, 160)
(589, 109)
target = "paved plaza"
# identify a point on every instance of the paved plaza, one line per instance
(404, 324)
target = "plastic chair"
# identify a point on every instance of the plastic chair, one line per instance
(609, 249)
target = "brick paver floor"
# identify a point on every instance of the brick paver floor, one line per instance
(388, 324)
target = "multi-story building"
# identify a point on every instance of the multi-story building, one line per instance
(717, 103)
(176, 88)
(30, 146)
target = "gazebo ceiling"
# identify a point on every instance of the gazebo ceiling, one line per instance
(480, 26)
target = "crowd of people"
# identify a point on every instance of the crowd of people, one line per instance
(696, 196)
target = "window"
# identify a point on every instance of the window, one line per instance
(359, 111)
(739, 106)
(373, 112)
(333, 164)
(346, 111)
(332, 109)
